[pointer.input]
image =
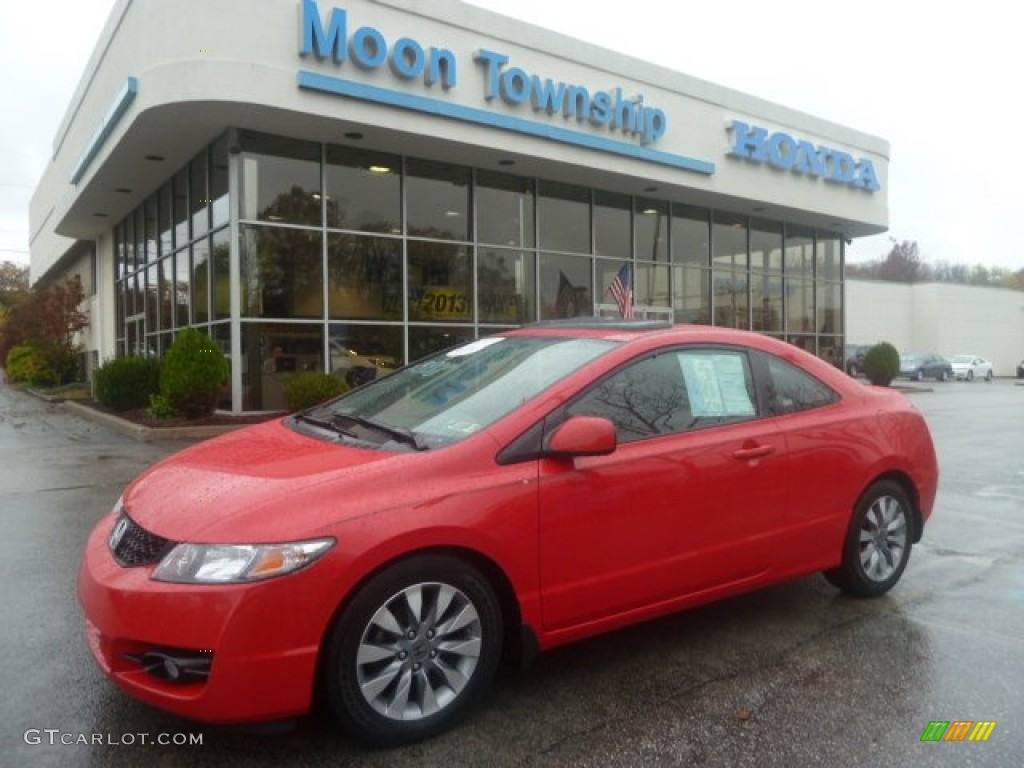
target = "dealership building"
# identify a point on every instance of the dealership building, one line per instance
(347, 185)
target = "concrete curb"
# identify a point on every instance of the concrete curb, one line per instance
(148, 434)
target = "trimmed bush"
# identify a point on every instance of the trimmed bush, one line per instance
(193, 372)
(882, 364)
(28, 364)
(160, 407)
(304, 390)
(127, 383)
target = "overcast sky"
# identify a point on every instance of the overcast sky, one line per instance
(938, 81)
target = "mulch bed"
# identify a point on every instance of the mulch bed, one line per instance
(217, 419)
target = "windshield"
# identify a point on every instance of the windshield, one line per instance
(454, 394)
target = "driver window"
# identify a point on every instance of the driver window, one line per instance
(672, 392)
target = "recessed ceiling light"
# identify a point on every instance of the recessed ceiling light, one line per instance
(123, 190)
(650, 211)
(650, 189)
(506, 162)
(758, 208)
(354, 135)
(155, 158)
(100, 215)
(451, 214)
(379, 169)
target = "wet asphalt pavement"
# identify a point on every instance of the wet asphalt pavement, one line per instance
(795, 675)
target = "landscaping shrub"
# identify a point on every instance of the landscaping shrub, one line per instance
(160, 407)
(882, 364)
(193, 372)
(126, 383)
(28, 364)
(304, 390)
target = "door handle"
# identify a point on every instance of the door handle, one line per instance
(754, 452)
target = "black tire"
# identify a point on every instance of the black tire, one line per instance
(988, 376)
(970, 375)
(941, 376)
(917, 375)
(878, 542)
(436, 669)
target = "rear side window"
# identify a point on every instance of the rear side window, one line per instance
(791, 390)
(672, 391)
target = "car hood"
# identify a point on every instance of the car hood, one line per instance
(259, 484)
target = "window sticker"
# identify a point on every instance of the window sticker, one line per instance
(716, 385)
(475, 346)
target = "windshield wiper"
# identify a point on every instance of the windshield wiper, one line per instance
(323, 424)
(402, 435)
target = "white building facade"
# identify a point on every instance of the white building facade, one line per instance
(351, 185)
(942, 318)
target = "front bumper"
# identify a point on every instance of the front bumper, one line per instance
(262, 639)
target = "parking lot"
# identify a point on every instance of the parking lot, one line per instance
(790, 676)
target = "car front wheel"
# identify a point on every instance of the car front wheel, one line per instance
(413, 651)
(988, 376)
(941, 376)
(877, 544)
(970, 375)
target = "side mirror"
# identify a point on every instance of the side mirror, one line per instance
(582, 436)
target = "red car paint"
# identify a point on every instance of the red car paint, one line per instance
(579, 545)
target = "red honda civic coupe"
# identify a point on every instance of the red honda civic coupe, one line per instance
(388, 548)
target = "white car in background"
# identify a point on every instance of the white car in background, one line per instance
(971, 367)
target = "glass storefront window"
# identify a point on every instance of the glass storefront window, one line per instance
(504, 210)
(364, 277)
(182, 283)
(691, 294)
(563, 213)
(364, 190)
(166, 272)
(280, 180)
(829, 315)
(728, 241)
(166, 219)
(425, 340)
(799, 306)
(613, 235)
(437, 200)
(565, 286)
(200, 281)
(282, 272)
(651, 288)
(152, 229)
(221, 282)
(507, 281)
(199, 196)
(799, 252)
(729, 298)
(691, 235)
(219, 208)
(766, 245)
(440, 283)
(651, 222)
(221, 335)
(361, 353)
(766, 302)
(271, 354)
(140, 237)
(179, 187)
(152, 298)
(829, 253)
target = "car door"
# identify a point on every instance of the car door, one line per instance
(682, 504)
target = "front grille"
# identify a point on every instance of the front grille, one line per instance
(133, 545)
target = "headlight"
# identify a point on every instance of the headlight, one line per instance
(237, 563)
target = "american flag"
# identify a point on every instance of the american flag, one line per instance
(622, 290)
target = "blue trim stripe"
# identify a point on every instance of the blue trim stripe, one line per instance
(313, 81)
(118, 108)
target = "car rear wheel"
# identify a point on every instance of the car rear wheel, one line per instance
(877, 544)
(988, 376)
(415, 648)
(941, 376)
(970, 375)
